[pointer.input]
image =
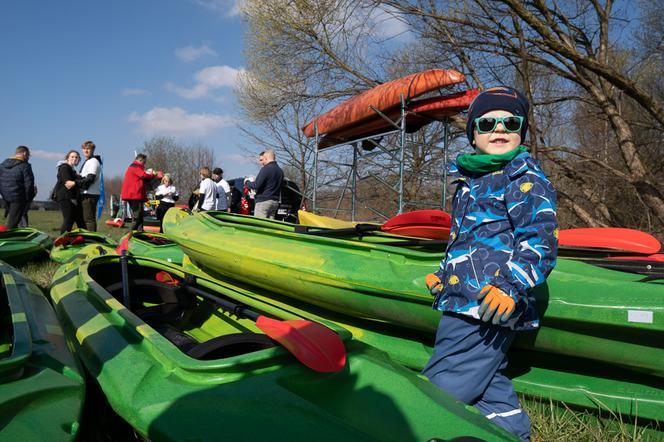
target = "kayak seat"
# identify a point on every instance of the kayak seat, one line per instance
(231, 345)
(183, 342)
(155, 302)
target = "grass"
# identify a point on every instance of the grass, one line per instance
(550, 422)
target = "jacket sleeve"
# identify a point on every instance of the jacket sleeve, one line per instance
(29, 183)
(531, 208)
(260, 180)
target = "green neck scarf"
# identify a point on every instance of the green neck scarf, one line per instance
(483, 163)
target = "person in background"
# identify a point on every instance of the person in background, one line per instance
(17, 185)
(90, 185)
(223, 190)
(134, 191)
(65, 192)
(503, 243)
(167, 195)
(207, 191)
(267, 185)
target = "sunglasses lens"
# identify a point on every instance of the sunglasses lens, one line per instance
(512, 124)
(486, 124)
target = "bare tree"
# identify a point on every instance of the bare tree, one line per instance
(182, 162)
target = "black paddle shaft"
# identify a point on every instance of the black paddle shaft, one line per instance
(125, 279)
(238, 310)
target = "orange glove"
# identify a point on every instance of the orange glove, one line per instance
(434, 284)
(496, 304)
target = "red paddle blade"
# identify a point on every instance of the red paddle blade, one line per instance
(313, 344)
(167, 278)
(3, 228)
(610, 238)
(124, 244)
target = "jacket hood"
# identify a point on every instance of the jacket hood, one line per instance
(93, 156)
(12, 162)
(60, 163)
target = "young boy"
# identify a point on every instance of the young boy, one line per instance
(502, 244)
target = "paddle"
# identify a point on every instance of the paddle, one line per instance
(431, 224)
(313, 344)
(124, 268)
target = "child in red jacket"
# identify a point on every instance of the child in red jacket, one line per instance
(133, 188)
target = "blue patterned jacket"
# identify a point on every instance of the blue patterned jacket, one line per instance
(505, 233)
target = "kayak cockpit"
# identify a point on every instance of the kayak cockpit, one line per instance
(198, 328)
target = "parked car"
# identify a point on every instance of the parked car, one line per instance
(290, 199)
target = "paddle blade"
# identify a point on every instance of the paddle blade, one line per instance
(124, 244)
(313, 344)
(610, 238)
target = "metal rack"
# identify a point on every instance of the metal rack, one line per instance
(365, 160)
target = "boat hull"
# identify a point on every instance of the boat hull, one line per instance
(63, 253)
(605, 315)
(41, 385)
(257, 394)
(18, 246)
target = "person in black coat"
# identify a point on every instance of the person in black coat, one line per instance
(17, 185)
(66, 192)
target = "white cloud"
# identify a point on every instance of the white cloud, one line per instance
(387, 24)
(134, 91)
(208, 80)
(176, 121)
(191, 53)
(228, 8)
(241, 159)
(45, 155)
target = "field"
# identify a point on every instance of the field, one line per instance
(549, 422)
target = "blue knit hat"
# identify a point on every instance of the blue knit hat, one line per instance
(498, 98)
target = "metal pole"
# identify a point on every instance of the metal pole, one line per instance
(446, 141)
(354, 181)
(402, 142)
(313, 205)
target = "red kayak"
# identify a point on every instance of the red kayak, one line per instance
(383, 97)
(419, 114)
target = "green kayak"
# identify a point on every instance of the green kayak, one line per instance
(179, 367)
(70, 243)
(41, 386)
(154, 245)
(577, 382)
(604, 315)
(18, 246)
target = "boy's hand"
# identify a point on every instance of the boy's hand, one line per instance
(496, 304)
(434, 284)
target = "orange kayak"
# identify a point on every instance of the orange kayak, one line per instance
(382, 97)
(420, 113)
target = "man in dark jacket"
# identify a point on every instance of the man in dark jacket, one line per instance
(17, 185)
(267, 185)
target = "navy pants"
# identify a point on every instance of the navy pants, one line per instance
(468, 361)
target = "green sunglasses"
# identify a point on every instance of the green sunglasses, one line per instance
(488, 124)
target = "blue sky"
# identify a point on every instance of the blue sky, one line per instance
(119, 72)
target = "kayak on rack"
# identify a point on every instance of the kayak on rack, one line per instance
(41, 385)
(605, 315)
(383, 97)
(575, 381)
(188, 361)
(18, 246)
(154, 245)
(70, 243)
